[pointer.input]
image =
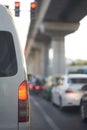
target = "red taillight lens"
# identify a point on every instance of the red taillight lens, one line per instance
(43, 87)
(23, 103)
(37, 87)
(30, 86)
(68, 91)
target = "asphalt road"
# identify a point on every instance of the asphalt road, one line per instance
(45, 116)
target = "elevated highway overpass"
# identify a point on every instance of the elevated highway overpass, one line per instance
(55, 19)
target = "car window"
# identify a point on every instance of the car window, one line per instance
(82, 71)
(77, 80)
(84, 88)
(8, 62)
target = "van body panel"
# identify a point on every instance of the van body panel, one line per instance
(10, 81)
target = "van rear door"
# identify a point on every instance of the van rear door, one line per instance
(8, 76)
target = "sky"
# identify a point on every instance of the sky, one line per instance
(75, 43)
(22, 23)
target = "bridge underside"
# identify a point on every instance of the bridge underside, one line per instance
(55, 19)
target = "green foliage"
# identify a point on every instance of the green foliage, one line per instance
(78, 62)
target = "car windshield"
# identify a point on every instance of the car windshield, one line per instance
(77, 80)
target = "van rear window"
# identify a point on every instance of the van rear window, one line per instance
(8, 62)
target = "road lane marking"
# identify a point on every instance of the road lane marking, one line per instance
(46, 116)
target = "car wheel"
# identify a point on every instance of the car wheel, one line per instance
(82, 113)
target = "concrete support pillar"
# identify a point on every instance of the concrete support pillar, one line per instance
(38, 59)
(57, 32)
(33, 65)
(58, 62)
(44, 59)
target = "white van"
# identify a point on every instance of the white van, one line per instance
(14, 96)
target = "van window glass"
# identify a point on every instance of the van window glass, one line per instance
(8, 62)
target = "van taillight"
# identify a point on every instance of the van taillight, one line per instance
(23, 103)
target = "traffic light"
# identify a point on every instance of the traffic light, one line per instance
(33, 10)
(17, 8)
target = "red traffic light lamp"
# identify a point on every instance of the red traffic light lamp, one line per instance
(33, 10)
(17, 8)
(33, 5)
(17, 4)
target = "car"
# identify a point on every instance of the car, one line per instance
(69, 91)
(47, 93)
(83, 107)
(14, 95)
(31, 81)
(77, 70)
(34, 84)
(48, 85)
(37, 87)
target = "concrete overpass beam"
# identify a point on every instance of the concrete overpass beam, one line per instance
(55, 28)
